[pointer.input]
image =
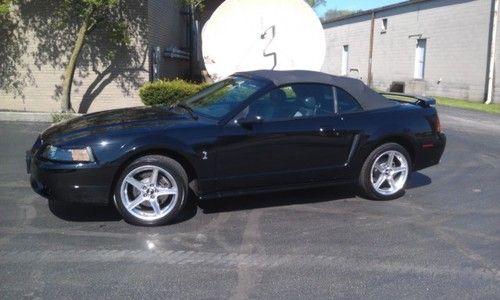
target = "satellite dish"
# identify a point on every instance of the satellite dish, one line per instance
(245, 35)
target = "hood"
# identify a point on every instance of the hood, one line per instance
(112, 120)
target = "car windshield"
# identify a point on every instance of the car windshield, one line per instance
(223, 97)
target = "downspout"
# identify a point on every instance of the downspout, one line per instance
(370, 51)
(192, 43)
(493, 48)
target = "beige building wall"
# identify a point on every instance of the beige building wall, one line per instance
(456, 33)
(354, 33)
(33, 65)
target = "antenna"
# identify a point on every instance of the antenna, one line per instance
(245, 35)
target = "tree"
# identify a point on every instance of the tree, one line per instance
(89, 14)
(315, 3)
(12, 47)
(4, 7)
(197, 4)
(92, 14)
(337, 13)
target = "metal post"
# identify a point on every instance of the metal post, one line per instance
(191, 40)
(491, 63)
(370, 53)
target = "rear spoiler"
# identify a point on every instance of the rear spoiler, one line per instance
(419, 100)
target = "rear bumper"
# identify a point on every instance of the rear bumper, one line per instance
(78, 183)
(430, 152)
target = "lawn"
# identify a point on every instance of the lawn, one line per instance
(491, 108)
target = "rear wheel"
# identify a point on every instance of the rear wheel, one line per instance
(151, 191)
(385, 172)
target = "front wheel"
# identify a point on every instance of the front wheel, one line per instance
(151, 191)
(385, 172)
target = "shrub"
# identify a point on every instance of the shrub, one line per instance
(61, 117)
(168, 92)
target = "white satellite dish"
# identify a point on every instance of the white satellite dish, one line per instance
(245, 35)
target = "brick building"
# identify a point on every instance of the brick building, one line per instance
(33, 58)
(432, 47)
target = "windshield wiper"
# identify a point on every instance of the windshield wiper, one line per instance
(188, 109)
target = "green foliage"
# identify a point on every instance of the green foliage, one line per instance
(337, 13)
(168, 92)
(114, 45)
(61, 117)
(89, 15)
(491, 108)
(199, 4)
(5, 6)
(4, 9)
(315, 3)
(98, 13)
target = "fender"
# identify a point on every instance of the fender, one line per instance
(162, 143)
(369, 142)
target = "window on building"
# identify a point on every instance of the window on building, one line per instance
(345, 60)
(384, 25)
(420, 58)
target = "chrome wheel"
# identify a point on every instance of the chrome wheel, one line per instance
(389, 173)
(149, 192)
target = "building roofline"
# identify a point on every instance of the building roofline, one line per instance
(374, 10)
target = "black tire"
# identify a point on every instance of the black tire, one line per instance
(177, 173)
(367, 189)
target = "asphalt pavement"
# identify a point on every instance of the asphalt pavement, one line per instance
(441, 240)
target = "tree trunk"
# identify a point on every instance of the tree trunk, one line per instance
(71, 67)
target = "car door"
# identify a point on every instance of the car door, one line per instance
(295, 138)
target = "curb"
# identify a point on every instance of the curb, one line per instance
(25, 116)
(14, 116)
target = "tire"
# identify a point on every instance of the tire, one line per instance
(379, 180)
(145, 200)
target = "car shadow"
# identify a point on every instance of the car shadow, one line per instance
(83, 212)
(303, 196)
(94, 213)
(417, 180)
(75, 212)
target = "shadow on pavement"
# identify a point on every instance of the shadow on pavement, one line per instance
(315, 195)
(417, 180)
(83, 212)
(89, 213)
(100, 213)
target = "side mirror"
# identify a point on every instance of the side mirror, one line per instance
(248, 122)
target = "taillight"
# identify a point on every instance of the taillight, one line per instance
(437, 124)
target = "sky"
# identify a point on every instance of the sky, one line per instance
(353, 5)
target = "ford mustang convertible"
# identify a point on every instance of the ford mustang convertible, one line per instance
(253, 132)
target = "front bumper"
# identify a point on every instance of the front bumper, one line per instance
(75, 182)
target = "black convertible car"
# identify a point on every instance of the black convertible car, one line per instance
(253, 132)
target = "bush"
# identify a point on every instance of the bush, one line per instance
(168, 92)
(61, 117)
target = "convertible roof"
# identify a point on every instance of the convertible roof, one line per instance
(367, 98)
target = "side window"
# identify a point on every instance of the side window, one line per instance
(345, 102)
(291, 102)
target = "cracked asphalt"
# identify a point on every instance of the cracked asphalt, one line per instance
(441, 240)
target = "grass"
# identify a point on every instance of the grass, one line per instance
(491, 108)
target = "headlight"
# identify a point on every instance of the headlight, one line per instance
(60, 154)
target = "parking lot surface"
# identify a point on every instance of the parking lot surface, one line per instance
(441, 240)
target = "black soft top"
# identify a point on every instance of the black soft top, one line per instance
(367, 98)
